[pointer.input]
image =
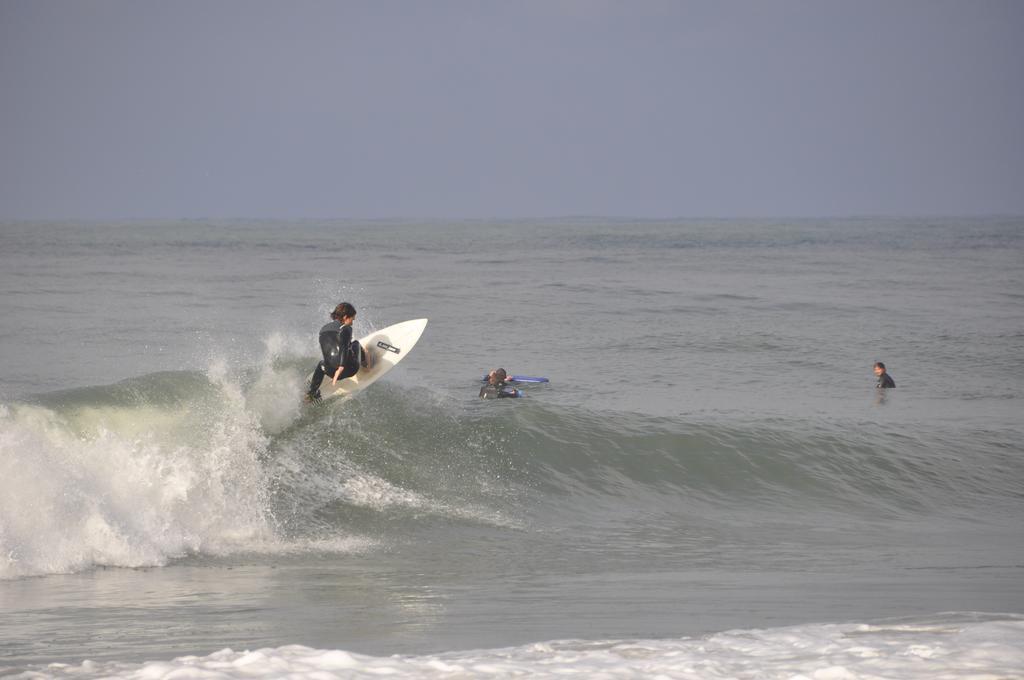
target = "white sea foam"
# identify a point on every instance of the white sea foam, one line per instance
(274, 394)
(127, 486)
(136, 486)
(378, 494)
(991, 650)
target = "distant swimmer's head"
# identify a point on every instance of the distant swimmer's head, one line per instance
(879, 368)
(497, 376)
(342, 311)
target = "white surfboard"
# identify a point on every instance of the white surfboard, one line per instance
(386, 348)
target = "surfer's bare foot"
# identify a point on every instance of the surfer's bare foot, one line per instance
(367, 359)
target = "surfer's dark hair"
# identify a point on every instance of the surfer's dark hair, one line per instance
(880, 365)
(500, 374)
(342, 310)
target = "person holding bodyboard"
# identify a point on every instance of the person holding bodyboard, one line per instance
(497, 388)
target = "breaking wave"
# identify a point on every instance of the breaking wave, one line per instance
(173, 464)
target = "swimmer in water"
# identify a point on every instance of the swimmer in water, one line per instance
(884, 379)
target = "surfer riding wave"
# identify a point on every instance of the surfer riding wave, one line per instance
(343, 356)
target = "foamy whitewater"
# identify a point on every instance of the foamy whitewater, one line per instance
(825, 652)
(709, 487)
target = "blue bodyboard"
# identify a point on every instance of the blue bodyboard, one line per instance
(521, 379)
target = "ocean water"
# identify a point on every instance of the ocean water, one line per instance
(709, 487)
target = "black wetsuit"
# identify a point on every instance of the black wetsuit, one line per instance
(499, 391)
(339, 349)
(885, 380)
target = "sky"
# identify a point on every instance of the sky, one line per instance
(119, 109)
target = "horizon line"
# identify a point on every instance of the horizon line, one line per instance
(497, 218)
